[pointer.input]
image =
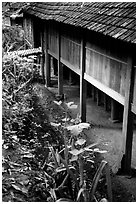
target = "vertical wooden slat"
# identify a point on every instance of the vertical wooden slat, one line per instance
(46, 57)
(128, 117)
(83, 83)
(60, 68)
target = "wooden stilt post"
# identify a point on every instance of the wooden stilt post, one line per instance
(94, 94)
(92, 91)
(60, 67)
(106, 102)
(98, 97)
(128, 117)
(114, 110)
(70, 77)
(55, 66)
(46, 57)
(83, 83)
(42, 61)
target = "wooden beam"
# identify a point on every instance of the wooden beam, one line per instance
(60, 67)
(47, 70)
(128, 117)
(83, 83)
(110, 92)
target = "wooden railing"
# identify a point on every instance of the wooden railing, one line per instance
(34, 51)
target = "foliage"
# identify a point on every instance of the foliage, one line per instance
(55, 172)
(56, 161)
(17, 75)
(70, 165)
(12, 38)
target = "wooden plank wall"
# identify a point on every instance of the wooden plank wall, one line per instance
(28, 28)
(109, 71)
(70, 51)
(105, 60)
(70, 46)
(53, 38)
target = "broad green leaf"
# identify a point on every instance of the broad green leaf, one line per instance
(96, 179)
(76, 152)
(15, 137)
(5, 146)
(100, 151)
(29, 156)
(77, 129)
(58, 103)
(89, 146)
(64, 200)
(71, 105)
(65, 119)
(91, 161)
(55, 124)
(74, 158)
(103, 200)
(79, 194)
(16, 187)
(60, 169)
(80, 141)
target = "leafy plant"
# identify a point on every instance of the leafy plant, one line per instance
(12, 38)
(70, 163)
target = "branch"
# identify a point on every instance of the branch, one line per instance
(21, 87)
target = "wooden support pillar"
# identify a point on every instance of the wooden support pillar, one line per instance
(114, 110)
(60, 67)
(92, 91)
(42, 55)
(83, 83)
(70, 77)
(46, 57)
(128, 118)
(55, 66)
(106, 102)
(94, 94)
(98, 97)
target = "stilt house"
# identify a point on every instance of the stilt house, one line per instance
(97, 42)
